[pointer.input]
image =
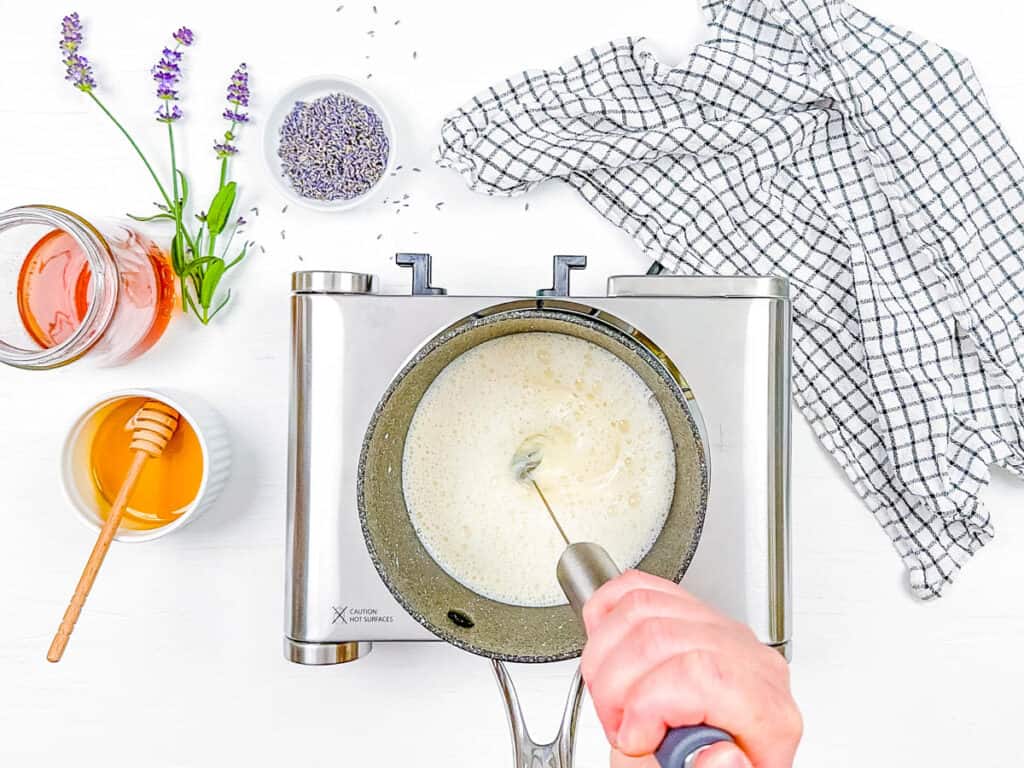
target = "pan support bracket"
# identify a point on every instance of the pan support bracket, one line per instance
(559, 753)
(420, 264)
(562, 265)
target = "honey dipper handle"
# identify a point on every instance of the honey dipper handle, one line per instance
(92, 567)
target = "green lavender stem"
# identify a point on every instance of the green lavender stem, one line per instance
(180, 230)
(142, 157)
(212, 239)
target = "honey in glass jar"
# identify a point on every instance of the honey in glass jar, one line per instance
(69, 289)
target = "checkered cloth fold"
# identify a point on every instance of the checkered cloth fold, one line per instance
(808, 139)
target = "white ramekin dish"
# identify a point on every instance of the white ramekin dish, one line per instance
(75, 470)
(309, 90)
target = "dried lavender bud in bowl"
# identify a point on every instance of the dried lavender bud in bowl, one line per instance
(329, 143)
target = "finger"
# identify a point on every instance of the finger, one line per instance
(694, 688)
(633, 608)
(619, 760)
(605, 598)
(722, 755)
(648, 645)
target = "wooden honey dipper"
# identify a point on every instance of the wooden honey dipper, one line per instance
(153, 426)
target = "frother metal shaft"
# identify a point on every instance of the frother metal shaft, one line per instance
(582, 569)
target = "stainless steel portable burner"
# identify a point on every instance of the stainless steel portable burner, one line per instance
(724, 339)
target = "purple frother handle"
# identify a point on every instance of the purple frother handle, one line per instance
(682, 743)
(584, 567)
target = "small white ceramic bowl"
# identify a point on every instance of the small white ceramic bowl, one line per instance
(75, 464)
(309, 90)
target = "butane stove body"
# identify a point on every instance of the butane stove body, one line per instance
(729, 339)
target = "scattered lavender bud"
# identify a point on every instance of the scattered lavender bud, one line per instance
(526, 207)
(398, 167)
(255, 211)
(300, 257)
(416, 170)
(285, 209)
(262, 249)
(375, 9)
(414, 54)
(369, 76)
(282, 234)
(371, 33)
(338, 8)
(380, 236)
(397, 22)
(438, 206)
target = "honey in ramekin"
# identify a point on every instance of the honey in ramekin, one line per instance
(166, 486)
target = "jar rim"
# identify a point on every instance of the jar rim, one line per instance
(103, 286)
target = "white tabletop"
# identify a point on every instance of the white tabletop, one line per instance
(177, 660)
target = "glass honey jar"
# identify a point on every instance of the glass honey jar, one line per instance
(70, 289)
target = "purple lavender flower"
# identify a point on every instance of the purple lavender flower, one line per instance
(71, 32)
(238, 88)
(184, 36)
(237, 97)
(79, 70)
(167, 75)
(168, 113)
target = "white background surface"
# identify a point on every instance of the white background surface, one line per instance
(177, 659)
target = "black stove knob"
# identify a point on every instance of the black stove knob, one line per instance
(560, 278)
(420, 264)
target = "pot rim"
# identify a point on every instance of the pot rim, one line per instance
(565, 311)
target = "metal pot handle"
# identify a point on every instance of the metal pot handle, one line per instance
(528, 753)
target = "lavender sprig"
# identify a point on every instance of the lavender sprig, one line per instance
(167, 76)
(199, 274)
(211, 268)
(237, 97)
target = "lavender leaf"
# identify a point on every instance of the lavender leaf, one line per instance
(211, 279)
(220, 208)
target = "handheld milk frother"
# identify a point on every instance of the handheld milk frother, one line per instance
(582, 569)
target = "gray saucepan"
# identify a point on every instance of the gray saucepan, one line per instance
(447, 608)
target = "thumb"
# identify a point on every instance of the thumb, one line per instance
(722, 755)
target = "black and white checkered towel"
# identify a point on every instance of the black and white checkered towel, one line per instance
(809, 139)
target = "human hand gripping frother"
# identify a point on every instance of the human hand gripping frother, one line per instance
(657, 658)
